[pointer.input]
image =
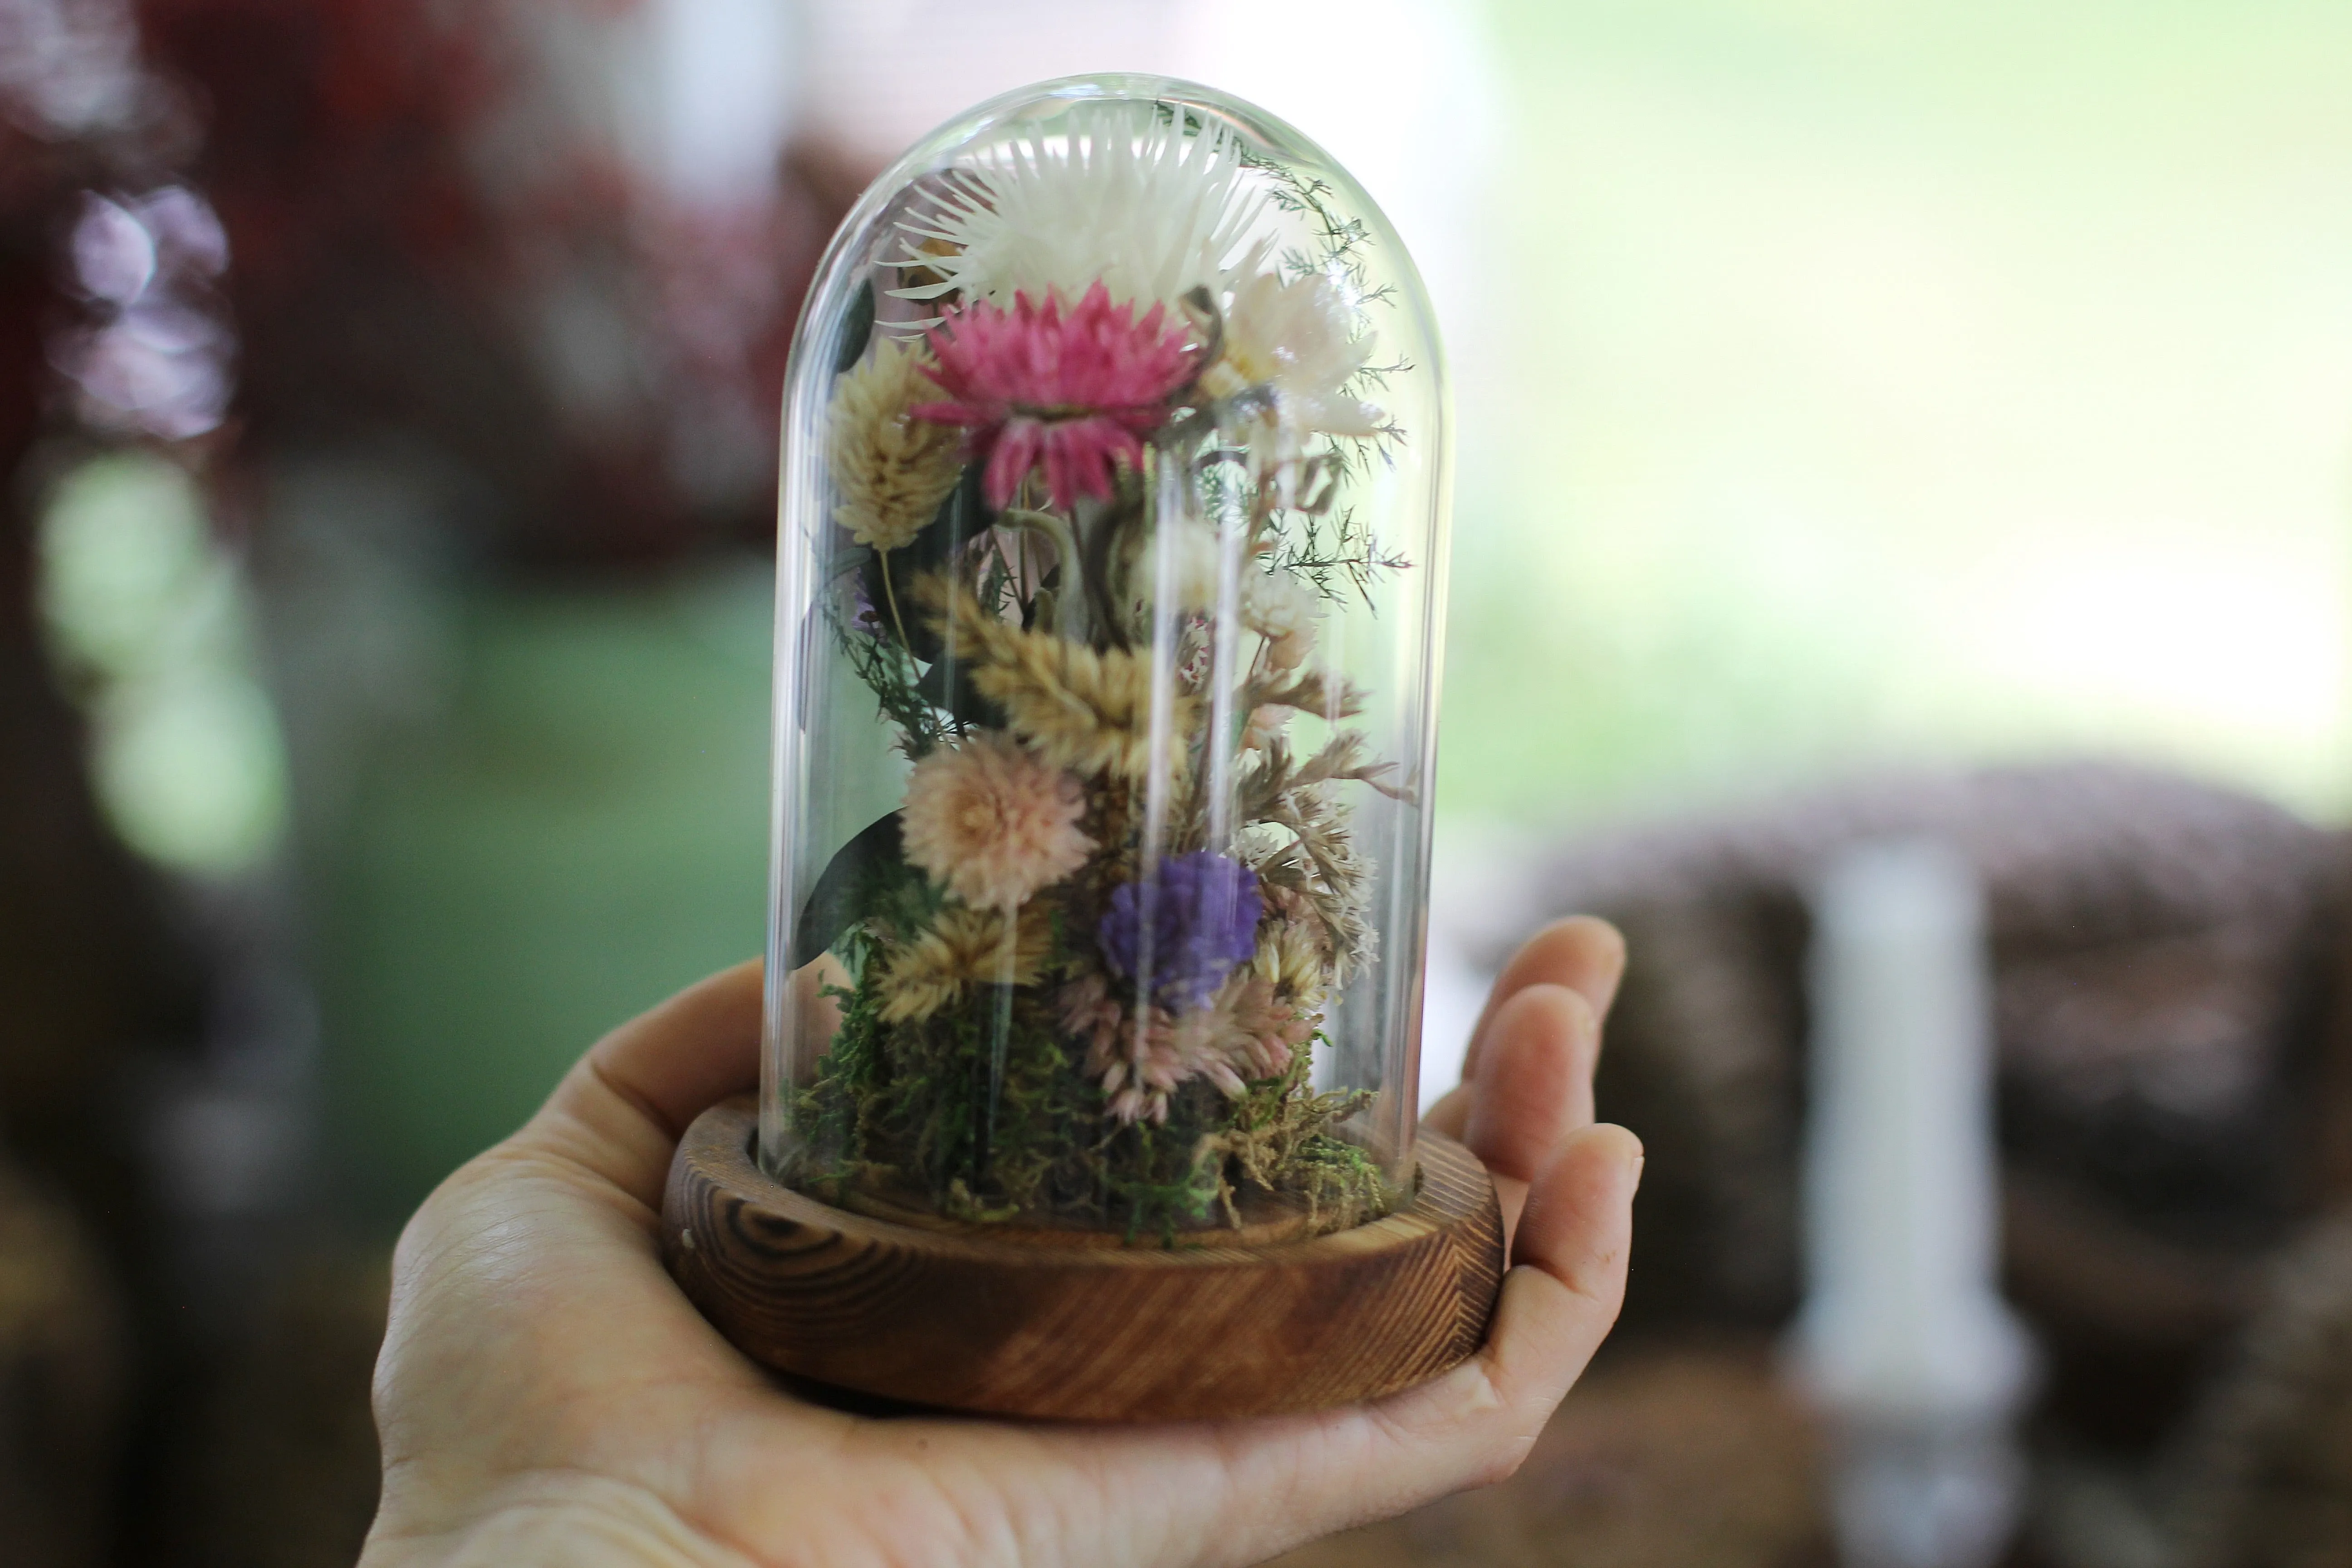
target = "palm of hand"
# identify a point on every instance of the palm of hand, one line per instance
(547, 1396)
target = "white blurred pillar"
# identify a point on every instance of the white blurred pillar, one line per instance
(1904, 1342)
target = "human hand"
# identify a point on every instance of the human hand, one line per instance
(547, 1396)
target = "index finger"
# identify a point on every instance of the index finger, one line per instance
(1585, 955)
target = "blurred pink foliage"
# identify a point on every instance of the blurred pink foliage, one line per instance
(602, 362)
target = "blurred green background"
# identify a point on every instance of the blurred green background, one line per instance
(582, 831)
(1907, 380)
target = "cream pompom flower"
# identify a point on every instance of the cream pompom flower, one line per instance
(1296, 339)
(1190, 556)
(891, 470)
(1116, 192)
(992, 822)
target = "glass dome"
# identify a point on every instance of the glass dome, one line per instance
(1111, 561)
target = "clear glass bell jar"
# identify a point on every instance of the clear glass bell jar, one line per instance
(1111, 564)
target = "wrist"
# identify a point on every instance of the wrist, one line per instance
(568, 1522)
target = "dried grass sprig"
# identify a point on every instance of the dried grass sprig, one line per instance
(1277, 774)
(1291, 961)
(964, 948)
(1309, 692)
(1344, 759)
(1084, 710)
(892, 472)
(1322, 869)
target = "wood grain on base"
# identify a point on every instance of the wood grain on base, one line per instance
(969, 1322)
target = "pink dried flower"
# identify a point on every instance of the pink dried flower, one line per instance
(994, 822)
(1136, 1068)
(1266, 1028)
(1248, 1031)
(1089, 1013)
(1151, 1062)
(1073, 393)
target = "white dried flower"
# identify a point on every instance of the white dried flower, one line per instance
(1295, 340)
(1190, 551)
(1109, 191)
(1282, 610)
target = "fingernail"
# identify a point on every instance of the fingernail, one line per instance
(1639, 1161)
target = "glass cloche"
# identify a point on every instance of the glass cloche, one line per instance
(1111, 559)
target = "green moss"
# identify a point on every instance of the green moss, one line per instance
(931, 1115)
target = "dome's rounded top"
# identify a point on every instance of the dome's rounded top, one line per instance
(1164, 194)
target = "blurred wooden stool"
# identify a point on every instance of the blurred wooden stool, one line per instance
(1663, 1457)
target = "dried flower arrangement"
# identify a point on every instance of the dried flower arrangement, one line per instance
(1089, 520)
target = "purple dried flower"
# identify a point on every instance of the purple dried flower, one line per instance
(1202, 912)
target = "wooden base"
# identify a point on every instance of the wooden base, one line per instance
(965, 1320)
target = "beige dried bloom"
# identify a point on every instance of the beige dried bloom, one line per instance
(994, 823)
(891, 472)
(1081, 710)
(963, 948)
